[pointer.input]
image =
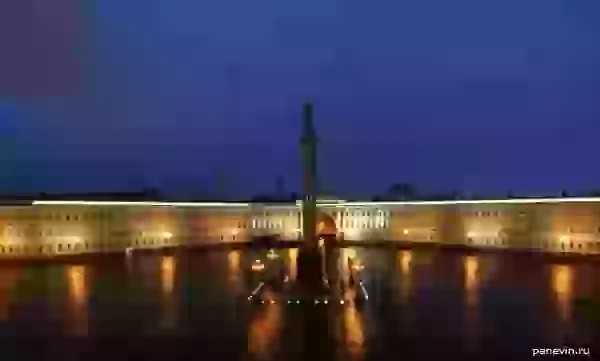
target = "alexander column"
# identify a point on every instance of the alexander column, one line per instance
(308, 146)
(309, 258)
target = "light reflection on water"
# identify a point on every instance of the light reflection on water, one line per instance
(78, 299)
(167, 275)
(264, 330)
(472, 284)
(562, 285)
(292, 263)
(405, 259)
(472, 279)
(235, 279)
(141, 275)
(9, 279)
(354, 327)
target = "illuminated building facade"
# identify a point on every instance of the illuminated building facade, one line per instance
(51, 228)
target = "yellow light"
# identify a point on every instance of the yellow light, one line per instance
(233, 258)
(471, 235)
(167, 268)
(167, 235)
(471, 282)
(78, 295)
(258, 266)
(562, 284)
(293, 266)
(77, 284)
(564, 238)
(353, 326)
(405, 259)
(358, 267)
(405, 231)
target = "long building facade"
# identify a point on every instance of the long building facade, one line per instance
(53, 228)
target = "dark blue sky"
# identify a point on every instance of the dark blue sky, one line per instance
(474, 95)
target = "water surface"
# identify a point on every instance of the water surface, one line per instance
(423, 305)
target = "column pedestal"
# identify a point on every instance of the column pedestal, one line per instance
(310, 271)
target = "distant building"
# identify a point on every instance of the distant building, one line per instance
(69, 225)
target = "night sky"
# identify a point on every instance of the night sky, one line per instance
(484, 96)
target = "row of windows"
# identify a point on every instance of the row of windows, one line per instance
(60, 217)
(78, 217)
(77, 247)
(488, 241)
(151, 242)
(591, 246)
(256, 224)
(265, 223)
(44, 248)
(291, 214)
(353, 223)
(564, 246)
(486, 214)
(367, 213)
